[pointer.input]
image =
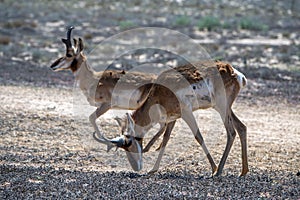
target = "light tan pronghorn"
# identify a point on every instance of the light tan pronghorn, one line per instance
(176, 94)
(99, 86)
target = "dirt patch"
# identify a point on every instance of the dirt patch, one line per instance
(43, 153)
(46, 151)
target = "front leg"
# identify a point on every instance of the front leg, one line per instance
(95, 115)
(155, 137)
(166, 138)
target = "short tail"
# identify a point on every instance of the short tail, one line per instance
(241, 78)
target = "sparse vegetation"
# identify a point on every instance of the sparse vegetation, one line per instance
(227, 25)
(19, 23)
(46, 153)
(251, 24)
(125, 25)
(209, 23)
(182, 21)
(13, 24)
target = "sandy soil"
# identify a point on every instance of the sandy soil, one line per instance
(46, 147)
(47, 151)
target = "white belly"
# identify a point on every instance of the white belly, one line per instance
(126, 99)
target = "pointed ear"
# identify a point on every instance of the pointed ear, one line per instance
(130, 123)
(64, 40)
(80, 45)
(75, 43)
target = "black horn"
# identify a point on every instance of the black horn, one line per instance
(68, 40)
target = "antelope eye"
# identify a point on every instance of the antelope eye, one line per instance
(138, 139)
(69, 55)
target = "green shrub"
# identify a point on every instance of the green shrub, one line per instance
(182, 21)
(209, 23)
(227, 25)
(125, 25)
(251, 24)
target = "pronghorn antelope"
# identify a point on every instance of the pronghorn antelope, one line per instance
(176, 94)
(98, 87)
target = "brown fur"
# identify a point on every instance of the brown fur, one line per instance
(196, 72)
(193, 73)
(98, 86)
(162, 95)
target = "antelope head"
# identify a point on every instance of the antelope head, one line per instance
(131, 144)
(74, 54)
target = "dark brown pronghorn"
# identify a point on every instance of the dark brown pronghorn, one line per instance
(176, 94)
(98, 87)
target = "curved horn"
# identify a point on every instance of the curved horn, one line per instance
(68, 40)
(69, 32)
(102, 139)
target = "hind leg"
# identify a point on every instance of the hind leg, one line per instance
(242, 131)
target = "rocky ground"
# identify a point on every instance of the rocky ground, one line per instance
(46, 149)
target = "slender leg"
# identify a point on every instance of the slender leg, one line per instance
(155, 137)
(230, 138)
(189, 118)
(94, 116)
(166, 138)
(242, 131)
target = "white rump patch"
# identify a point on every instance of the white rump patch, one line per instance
(241, 78)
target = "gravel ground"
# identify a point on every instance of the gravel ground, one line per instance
(47, 151)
